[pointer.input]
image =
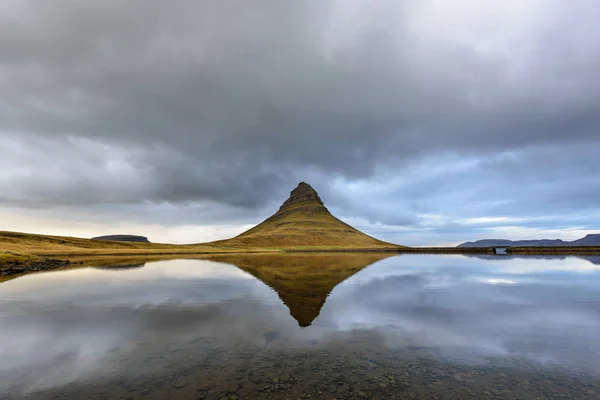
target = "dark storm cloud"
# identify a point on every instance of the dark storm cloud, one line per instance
(179, 102)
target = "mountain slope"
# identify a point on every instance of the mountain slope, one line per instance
(304, 221)
(589, 240)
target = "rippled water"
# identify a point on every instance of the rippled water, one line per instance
(305, 326)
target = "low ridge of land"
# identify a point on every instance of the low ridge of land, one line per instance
(123, 238)
(48, 245)
(588, 240)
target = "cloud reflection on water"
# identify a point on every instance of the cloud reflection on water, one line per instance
(69, 325)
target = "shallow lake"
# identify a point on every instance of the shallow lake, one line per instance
(332, 326)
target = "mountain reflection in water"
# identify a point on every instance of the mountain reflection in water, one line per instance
(303, 280)
(342, 326)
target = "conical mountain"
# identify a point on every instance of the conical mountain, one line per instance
(304, 221)
(303, 281)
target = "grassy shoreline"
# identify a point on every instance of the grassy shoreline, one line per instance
(30, 252)
(591, 251)
(64, 246)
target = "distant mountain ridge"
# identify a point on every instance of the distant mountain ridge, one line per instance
(589, 240)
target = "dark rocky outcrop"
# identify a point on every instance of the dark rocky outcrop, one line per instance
(20, 267)
(303, 194)
(123, 238)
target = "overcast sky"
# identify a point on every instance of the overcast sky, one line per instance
(424, 122)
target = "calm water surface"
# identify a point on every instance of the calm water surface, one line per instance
(311, 326)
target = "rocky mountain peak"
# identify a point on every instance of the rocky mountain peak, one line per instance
(303, 193)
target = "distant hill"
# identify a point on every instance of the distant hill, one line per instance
(589, 240)
(123, 238)
(304, 221)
